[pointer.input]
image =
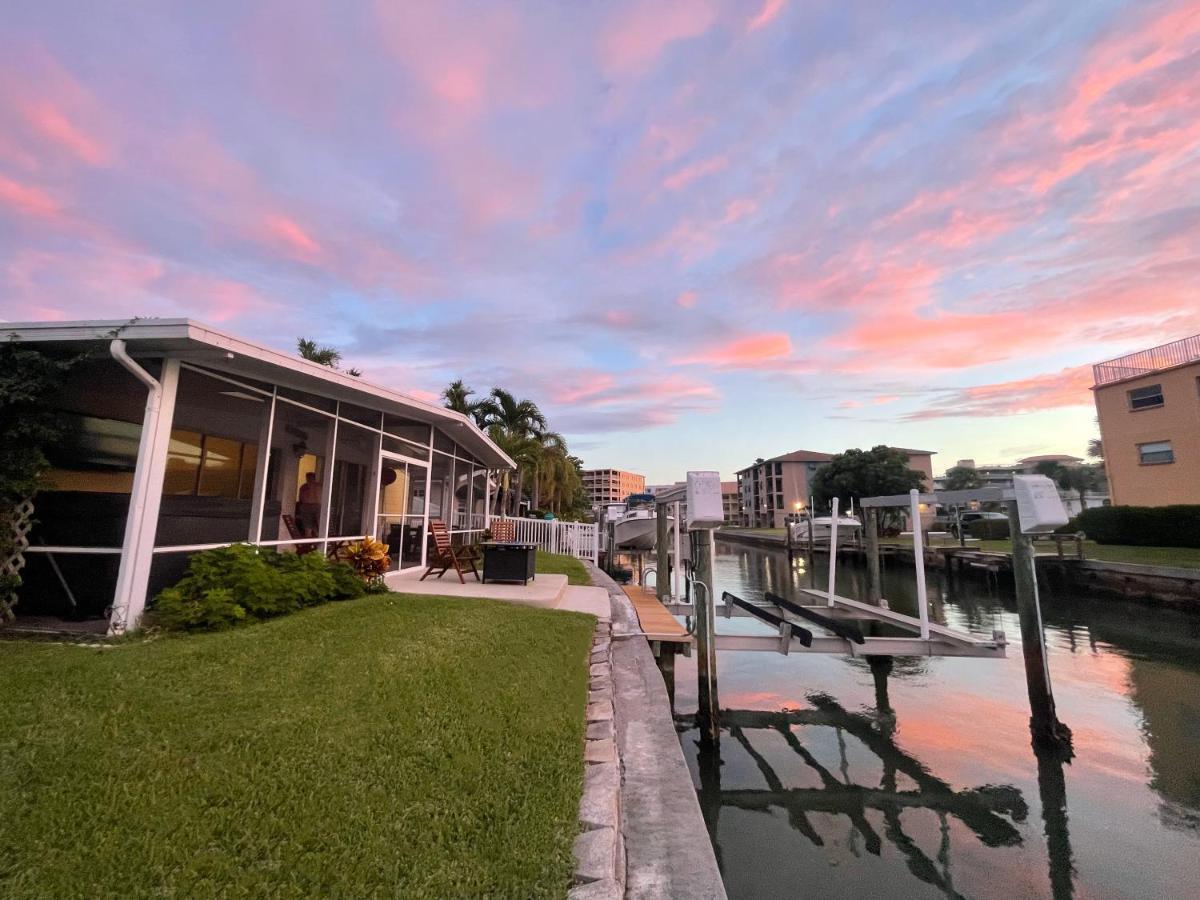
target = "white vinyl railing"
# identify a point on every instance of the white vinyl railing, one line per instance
(577, 539)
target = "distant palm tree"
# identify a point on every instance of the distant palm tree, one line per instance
(324, 356)
(1095, 448)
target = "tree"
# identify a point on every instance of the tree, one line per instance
(457, 396)
(515, 426)
(1080, 479)
(1095, 448)
(864, 473)
(962, 478)
(323, 356)
(29, 425)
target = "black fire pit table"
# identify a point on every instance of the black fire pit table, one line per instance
(509, 561)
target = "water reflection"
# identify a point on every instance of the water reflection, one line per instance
(919, 780)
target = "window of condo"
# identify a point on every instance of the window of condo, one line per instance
(1146, 398)
(1155, 453)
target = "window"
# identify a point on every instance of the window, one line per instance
(1155, 453)
(1146, 398)
(201, 465)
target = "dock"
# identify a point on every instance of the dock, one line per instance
(656, 621)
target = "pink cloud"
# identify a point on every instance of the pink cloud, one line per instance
(687, 299)
(1052, 390)
(28, 200)
(636, 37)
(287, 234)
(770, 9)
(749, 352)
(689, 173)
(46, 114)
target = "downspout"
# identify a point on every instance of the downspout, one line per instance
(130, 561)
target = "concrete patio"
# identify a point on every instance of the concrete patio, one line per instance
(546, 591)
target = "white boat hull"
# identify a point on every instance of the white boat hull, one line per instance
(635, 534)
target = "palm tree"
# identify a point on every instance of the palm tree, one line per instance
(457, 396)
(324, 356)
(515, 425)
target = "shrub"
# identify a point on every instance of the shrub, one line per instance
(987, 529)
(1142, 526)
(228, 585)
(206, 611)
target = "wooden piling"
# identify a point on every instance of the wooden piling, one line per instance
(1048, 732)
(871, 536)
(662, 566)
(706, 652)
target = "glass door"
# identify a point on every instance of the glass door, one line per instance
(400, 522)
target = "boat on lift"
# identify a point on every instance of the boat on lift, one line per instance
(636, 527)
(849, 528)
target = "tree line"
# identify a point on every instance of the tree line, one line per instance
(546, 471)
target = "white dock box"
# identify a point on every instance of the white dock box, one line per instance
(704, 507)
(1039, 506)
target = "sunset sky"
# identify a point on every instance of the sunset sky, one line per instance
(695, 233)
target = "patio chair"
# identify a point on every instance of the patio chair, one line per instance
(294, 533)
(446, 556)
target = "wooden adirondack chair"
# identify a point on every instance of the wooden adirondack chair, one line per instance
(503, 531)
(446, 556)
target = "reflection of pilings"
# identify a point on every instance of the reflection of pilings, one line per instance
(881, 668)
(708, 761)
(1052, 788)
(978, 808)
(796, 817)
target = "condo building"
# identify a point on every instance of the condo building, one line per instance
(1148, 404)
(611, 485)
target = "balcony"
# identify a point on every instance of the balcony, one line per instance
(1144, 362)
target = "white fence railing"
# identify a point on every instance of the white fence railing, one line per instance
(578, 539)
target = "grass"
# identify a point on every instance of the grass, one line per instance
(561, 564)
(1180, 557)
(392, 745)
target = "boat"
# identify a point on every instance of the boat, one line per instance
(849, 528)
(636, 527)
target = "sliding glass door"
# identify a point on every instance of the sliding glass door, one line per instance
(400, 522)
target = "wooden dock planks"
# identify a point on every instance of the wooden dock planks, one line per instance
(656, 622)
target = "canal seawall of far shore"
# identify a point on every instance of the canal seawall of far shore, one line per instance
(1171, 586)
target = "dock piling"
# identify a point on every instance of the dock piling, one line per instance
(706, 655)
(662, 578)
(871, 536)
(1048, 732)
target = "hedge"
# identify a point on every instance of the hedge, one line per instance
(231, 585)
(1142, 526)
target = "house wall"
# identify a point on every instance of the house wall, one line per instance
(1122, 429)
(217, 473)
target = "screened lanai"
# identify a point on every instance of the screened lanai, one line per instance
(180, 438)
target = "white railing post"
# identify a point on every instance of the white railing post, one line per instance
(833, 530)
(914, 501)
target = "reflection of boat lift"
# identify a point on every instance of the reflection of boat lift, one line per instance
(989, 811)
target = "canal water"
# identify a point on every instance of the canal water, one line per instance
(931, 787)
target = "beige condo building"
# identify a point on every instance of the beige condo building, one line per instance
(1148, 404)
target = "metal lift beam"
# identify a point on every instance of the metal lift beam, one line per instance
(803, 635)
(847, 630)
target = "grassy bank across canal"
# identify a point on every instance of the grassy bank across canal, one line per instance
(392, 745)
(1181, 557)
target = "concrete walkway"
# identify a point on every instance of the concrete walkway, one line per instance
(667, 848)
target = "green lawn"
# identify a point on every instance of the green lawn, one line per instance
(561, 564)
(1182, 557)
(392, 745)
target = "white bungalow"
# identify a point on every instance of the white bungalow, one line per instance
(181, 437)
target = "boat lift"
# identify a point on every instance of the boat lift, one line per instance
(846, 626)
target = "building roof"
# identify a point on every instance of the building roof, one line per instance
(915, 452)
(202, 344)
(1146, 362)
(1049, 457)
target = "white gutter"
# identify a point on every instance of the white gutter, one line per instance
(123, 616)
